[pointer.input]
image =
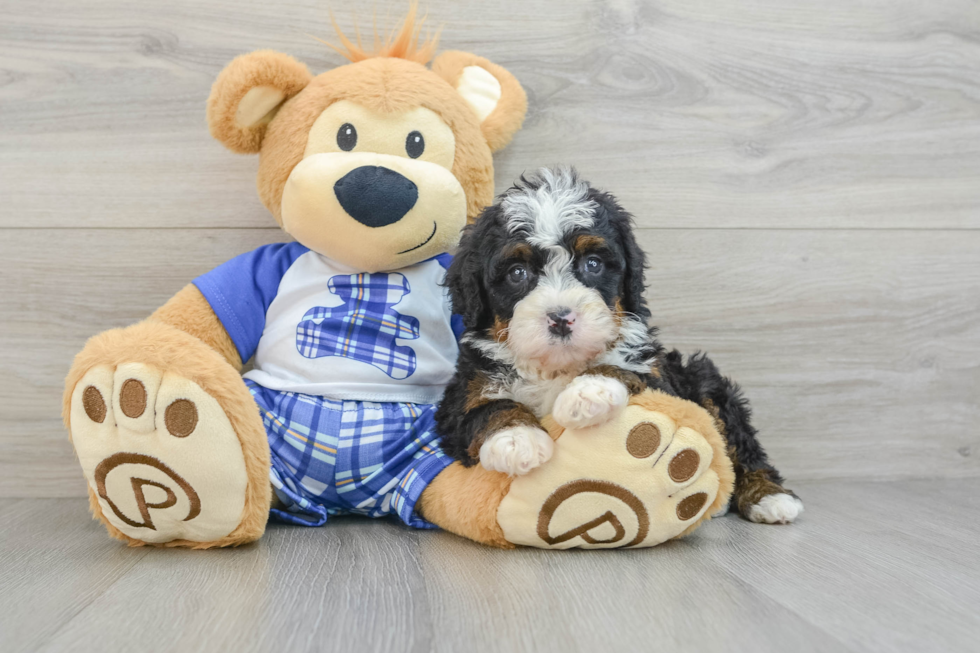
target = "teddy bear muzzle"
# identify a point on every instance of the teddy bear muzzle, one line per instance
(373, 211)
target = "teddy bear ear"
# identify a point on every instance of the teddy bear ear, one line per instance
(247, 95)
(493, 93)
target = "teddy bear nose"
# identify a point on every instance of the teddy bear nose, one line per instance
(376, 196)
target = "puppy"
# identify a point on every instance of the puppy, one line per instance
(549, 283)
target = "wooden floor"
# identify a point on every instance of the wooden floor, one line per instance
(870, 567)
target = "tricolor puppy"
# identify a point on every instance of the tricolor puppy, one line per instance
(549, 281)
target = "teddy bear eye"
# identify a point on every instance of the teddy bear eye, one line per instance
(415, 144)
(346, 137)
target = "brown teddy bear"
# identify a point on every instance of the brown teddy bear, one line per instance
(373, 168)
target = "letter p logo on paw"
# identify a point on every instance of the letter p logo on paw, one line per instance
(163, 479)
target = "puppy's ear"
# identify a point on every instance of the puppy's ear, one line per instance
(496, 97)
(464, 279)
(247, 95)
(634, 285)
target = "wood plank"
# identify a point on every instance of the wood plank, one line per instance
(665, 598)
(788, 115)
(869, 567)
(54, 561)
(859, 350)
(354, 586)
(361, 586)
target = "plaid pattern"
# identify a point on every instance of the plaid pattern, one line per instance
(365, 326)
(348, 457)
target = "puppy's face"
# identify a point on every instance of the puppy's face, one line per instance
(549, 272)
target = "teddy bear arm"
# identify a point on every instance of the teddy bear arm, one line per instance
(191, 313)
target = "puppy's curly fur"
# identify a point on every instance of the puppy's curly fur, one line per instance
(550, 284)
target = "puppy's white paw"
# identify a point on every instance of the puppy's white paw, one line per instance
(589, 400)
(516, 450)
(776, 509)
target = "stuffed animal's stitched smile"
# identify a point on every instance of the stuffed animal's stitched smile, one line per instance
(424, 242)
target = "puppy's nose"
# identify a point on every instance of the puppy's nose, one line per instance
(376, 196)
(560, 322)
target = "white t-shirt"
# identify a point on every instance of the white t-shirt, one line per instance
(318, 327)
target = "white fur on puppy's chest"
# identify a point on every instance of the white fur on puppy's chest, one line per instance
(589, 400)
(531, 390)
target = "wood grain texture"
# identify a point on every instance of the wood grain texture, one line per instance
(904, 550)
(807, 176)
(770, 114)
(538, 600)
(54, 561)
(869, 567)
(860, 350)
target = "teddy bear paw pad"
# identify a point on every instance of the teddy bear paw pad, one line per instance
(159, 453)
(635, 481)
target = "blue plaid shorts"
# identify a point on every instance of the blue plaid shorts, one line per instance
(348, 457)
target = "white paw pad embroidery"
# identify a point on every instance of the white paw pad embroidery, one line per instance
(589, 400)
(516, 450)
(776, 509)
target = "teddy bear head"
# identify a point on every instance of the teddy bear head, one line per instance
(376, 164)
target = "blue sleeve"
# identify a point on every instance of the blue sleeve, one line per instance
(241, 290)
(456, 322)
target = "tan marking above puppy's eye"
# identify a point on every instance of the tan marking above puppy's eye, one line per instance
(520, 251)
(589, 242)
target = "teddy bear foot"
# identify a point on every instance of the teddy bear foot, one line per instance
(650, 474)
(163, 461)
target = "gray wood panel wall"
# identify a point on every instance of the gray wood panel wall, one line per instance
(806, 177)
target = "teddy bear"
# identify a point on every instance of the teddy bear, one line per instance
(372, 168)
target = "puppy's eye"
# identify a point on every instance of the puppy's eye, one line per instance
(517, 274)
(346, 137)
(593, 265)
(415, 145)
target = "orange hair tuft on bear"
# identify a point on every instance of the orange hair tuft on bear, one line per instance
(404, 42)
